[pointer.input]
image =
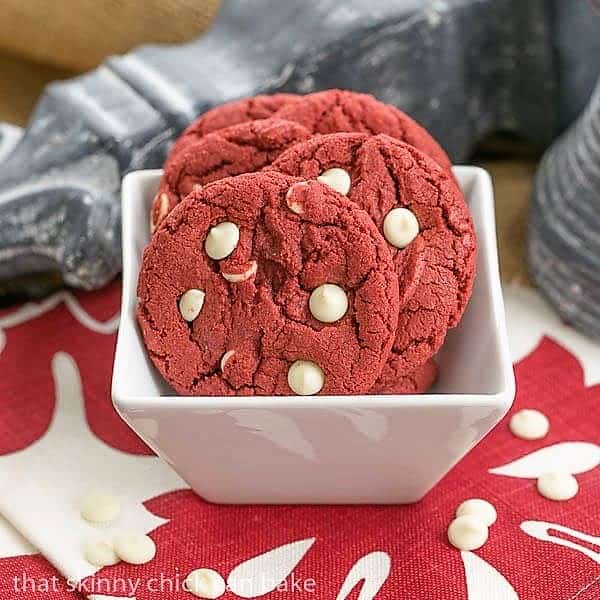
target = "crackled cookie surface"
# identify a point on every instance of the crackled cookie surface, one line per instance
(243, 148)
(392, 381)
(334, 111)
(423, 217)
(231, 113)
(266, 284)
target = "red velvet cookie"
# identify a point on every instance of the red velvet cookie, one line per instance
(243, 148)
(232, 113)
(334, 111)
(417, 382)
(263, 283)
(423, 216)
(239, 111)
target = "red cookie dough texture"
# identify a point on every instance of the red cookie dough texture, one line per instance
(238, 111)
(418, 382)
(254, 322)
(232, 113)
(334, 111)
(242, 148)
(436, 269)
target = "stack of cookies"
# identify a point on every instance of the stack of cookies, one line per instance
(312, 244)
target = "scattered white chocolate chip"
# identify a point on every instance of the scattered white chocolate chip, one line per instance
(294, 205)
(238, 277)
(134, 548)
(225, 358)
(400, 227)
(557, 486)
(328, 303)
(163, 209)
(99, 507)
(205, 583)
(305, 377)
(337, 179)
(479, 508)
(222, 240)
(467, 532)
(100, 553)
(191, 303)
(529, 424)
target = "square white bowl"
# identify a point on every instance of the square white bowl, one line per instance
(321, 449)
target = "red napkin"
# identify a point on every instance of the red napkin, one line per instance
(301, 552)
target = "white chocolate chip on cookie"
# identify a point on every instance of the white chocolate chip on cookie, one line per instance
(222, 240)
(163, 209)
(225, 358)
(328, 303)
(337, 179)
(305, 378)
(293, 204)
(191, 303)
(239, 277)
(400, 227)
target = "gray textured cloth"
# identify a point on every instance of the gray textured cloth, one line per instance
(564, 224)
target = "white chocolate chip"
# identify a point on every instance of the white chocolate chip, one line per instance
(225, 358)
(557, 486)
(191, 303)
(99, 507)
(294, 205)
(337, 179)
(467, 532)
(100, 553)
(238, 277)
(529, 424)
(328, 303)
(222, 240)
(205, 583)
(479, 508)
(163, 209)
(134, 548)
(400, 227)
(305, 378)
